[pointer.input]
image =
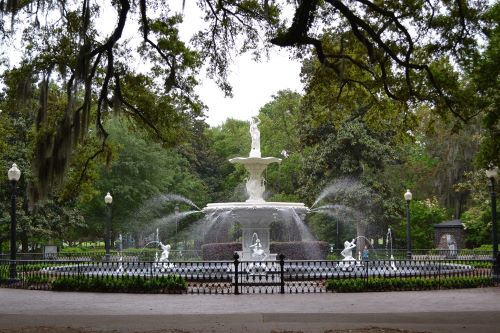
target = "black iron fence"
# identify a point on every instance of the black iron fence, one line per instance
(146, 254)
(419, 254)
(237, 277)
(150, 254)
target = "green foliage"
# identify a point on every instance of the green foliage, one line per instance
(75, 249)
(37, 279)
(485, 74)
(349, 133)
(477, 218)
(231, 139)
(219, 251)
(279, 126)
(72, 73)
(477, 225)
(376, 109)
(479, 264)
(404, 284)
(141, 171)
(303, 250)
(130, 284)
(423, 215)
(484, 247)
(333, 257)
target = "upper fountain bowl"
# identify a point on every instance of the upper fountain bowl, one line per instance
(258, 214)
(255, 160)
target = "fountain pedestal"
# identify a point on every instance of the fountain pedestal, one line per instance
(255, 166)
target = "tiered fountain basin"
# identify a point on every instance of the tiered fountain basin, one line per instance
(248, 208)
(312, 270)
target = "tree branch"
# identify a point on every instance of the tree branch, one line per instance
(118, 92)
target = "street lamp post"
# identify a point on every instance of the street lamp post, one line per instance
(13, 174)
(492, 174)
(176, 212)
(337, 238)
(408, 197)
(108, 199)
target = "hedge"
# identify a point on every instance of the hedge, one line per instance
(310, 250)
(404, 284)
(129, 284)
(219, 251)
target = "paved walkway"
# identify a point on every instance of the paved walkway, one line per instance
(465, 310)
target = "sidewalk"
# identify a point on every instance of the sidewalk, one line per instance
(465, 310)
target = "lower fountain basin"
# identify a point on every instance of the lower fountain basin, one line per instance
(306, 270)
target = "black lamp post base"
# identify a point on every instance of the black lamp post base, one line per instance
(496, 268)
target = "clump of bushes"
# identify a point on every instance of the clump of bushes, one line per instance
(219, 251)
(311, 250)
(129, 284)
(37, 279)
(77, 249)
(405, 284)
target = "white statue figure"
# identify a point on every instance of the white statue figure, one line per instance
(257, 252)
(347, 251)
(255, 134)
(165, 252)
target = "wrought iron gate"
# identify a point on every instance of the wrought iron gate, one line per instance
(263, 277)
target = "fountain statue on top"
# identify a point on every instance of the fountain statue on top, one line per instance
(255, 135)
(255, 165)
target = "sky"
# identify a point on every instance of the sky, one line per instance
(254, 83)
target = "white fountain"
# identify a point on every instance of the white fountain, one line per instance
(255, 214)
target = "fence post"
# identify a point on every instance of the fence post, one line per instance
(282, 273)
(496, 268)
(439, 274)
(367, 264)
(236, 277)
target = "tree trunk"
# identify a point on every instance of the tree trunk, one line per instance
(138, 240)
(24, 242)
(361, 237)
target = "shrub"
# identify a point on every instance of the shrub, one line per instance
(312, 250)
(35, 279)
(333, 257)
(478, 263)
(131, 284)
(66, 250)
(401, 284)
(219, 251)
